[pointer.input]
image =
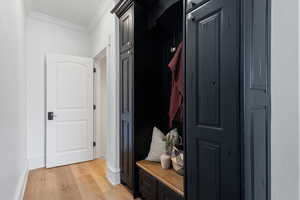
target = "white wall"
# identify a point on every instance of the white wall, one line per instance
(103, 30)
(13, 167)
(46, 35)
(107, 28)
(285, 100)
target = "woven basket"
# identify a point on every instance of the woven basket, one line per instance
(178, 161)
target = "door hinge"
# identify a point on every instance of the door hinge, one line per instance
(95, 70)
(94, 107)
(94, 144)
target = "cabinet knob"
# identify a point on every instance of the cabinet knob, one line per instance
(213, 83)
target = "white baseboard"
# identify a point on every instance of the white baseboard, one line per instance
(36, 162)
(22, 185)
(113, 175)
(99, 155)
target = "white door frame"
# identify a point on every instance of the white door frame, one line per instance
(104, 52)
(113, 161)
(113, 164)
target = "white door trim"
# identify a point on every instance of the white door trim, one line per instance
(104, 52)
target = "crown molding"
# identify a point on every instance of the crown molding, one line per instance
(121, 7)
(60, 22)
(103, 9)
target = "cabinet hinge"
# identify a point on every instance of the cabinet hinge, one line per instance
(94, 107)
(94, 144)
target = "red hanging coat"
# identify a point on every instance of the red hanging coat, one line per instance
(176, 101)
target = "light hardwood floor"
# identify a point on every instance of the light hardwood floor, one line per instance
(83, 181)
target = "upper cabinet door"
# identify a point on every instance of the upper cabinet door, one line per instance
(212, 102)
(126, 30)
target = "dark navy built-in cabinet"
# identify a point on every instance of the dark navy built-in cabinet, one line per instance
(226, 125)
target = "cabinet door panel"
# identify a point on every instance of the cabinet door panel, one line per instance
(212, 102)
(165, 193)
(126, 30)
(126, 121)
(148, 186)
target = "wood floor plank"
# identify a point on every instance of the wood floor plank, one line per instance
(82, 181)
(67, 188)
(46, 185)
(103, 183)
(88, 188)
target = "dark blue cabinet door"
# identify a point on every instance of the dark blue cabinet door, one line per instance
(213, 164)
(126, 121)
(256, 65)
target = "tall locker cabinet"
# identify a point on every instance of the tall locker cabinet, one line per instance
(126, 99)
(131, 18)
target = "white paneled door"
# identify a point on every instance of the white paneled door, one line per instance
(69, 110)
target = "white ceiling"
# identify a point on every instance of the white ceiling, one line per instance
(79, 12)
